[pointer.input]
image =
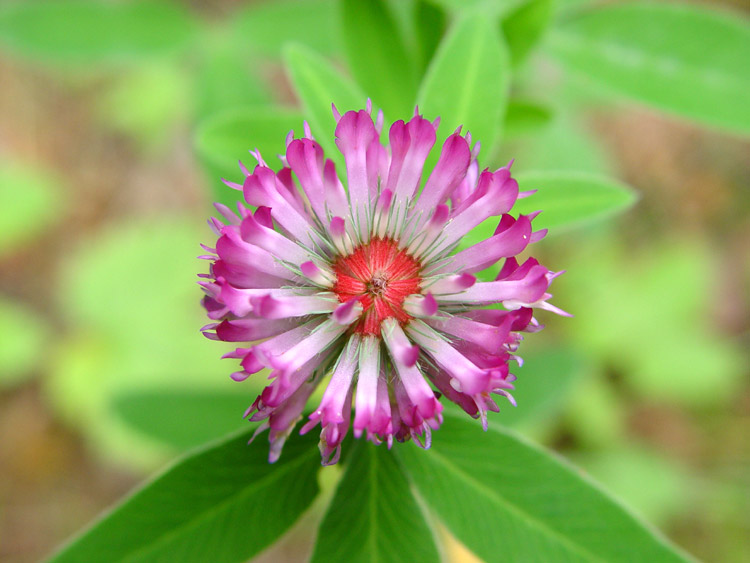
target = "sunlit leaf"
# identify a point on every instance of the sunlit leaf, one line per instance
(223, 503)
(319, 84)
(373, 515)
(681, 58)
(94, 31)
(225, 138)
(508, 500)
(30, 202)
(23, 342)
(378, 57)
(468, 80)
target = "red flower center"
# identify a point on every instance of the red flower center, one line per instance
(380, 276)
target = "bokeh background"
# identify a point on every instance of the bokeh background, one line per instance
(116, 122)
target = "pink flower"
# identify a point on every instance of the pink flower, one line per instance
(364, 284)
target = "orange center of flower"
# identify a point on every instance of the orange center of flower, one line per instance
(380, 276)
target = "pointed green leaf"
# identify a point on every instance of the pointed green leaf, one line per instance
(319, 84)
(467, 82)
(225, 138)
(84, 31)
(373, 516)
(508, 500)
(569, 199)
(688, 60)
(377, 56)
(566, 200)
(523, 27)
(160, 413)
(223, 503)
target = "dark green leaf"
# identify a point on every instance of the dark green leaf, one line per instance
(377, 56)
(524, 26)
(508, 500)
(430, 23)
(183, 418)
(224, 503)
(373, 516)
(684, 59)
(468, 80)
(225, 138)
(84, 31)
(525, 117)
(569, 199)
(544, 381)
(318, 84)
(268, 26)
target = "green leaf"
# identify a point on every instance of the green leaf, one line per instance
(566, 199)
(684, 59)
(30, 202)
(270, 25)
(544, 381)
(562, 146)
(161, 413)
(90, 31)
(489, 7)
(23, 340)
(430, 23)
(319, 84)
(526, 116)
(569, 200)
(377, 56)
(223, 503)
(523, 27)
(468, 80)
(223, 139)
(508, 500)
(374, 516)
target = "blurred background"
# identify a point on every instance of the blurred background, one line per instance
(117, 120)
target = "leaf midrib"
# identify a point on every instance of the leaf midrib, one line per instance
(221, 506)
(512, 508)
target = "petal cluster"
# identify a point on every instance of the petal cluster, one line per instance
(351, 279)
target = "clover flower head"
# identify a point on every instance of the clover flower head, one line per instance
(361, 281)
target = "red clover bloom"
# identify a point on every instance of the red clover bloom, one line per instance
(364, 284)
